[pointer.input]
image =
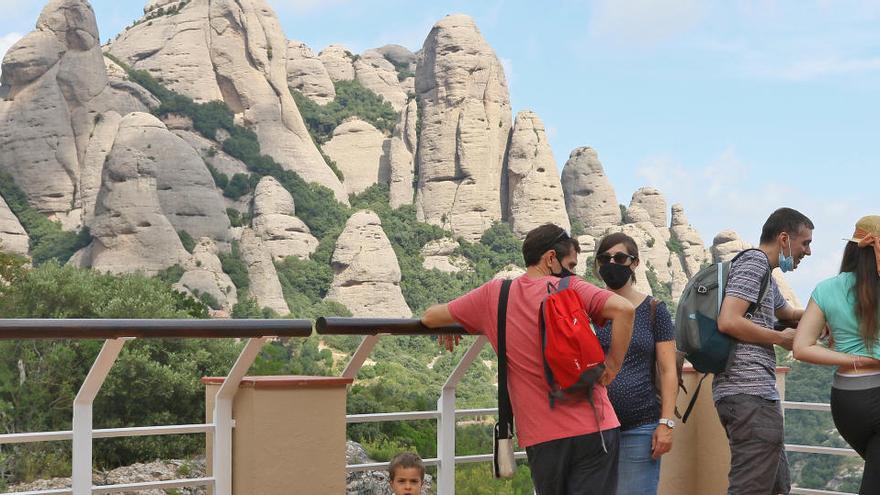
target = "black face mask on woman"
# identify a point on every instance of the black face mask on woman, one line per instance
(615, 276)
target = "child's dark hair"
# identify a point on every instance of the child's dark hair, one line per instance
(406, 460)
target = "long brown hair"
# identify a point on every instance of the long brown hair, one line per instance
(862, 263)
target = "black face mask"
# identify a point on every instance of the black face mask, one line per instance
(614, 275)
(565, 272)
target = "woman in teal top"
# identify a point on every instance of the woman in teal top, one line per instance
(849, 304)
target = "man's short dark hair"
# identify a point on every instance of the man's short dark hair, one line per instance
(544, 238)
(784, 220)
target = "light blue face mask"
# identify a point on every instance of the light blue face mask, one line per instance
(786, 263)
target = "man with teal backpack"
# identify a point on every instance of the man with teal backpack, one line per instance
(739, 327)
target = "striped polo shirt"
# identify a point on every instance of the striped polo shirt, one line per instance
(753, 368)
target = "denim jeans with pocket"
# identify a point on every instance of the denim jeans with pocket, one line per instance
(637, 472)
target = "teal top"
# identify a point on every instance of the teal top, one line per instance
(836, 298)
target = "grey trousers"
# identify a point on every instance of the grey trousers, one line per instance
(755, 430)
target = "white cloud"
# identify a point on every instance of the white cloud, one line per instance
(822, 67)
(6, 41)
(728, 193)
(644, 22)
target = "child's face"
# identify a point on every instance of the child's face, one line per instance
(407, 481)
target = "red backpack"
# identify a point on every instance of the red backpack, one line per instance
(573, 356)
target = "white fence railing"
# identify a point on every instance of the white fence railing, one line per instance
(82, 432)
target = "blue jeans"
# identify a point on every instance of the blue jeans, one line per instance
(637, 472)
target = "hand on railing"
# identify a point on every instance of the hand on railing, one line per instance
(450, 342)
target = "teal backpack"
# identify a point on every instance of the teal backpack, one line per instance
(696, 321)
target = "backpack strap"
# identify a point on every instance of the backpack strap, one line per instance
(693, 402)
(505, 410)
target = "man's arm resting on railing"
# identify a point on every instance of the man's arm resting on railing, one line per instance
(732, 321)
(438, 316)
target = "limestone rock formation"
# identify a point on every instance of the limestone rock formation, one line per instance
(378, 75)
(440, 255)
(358, 149)
(465, 125)
(210, 153)
(235, 51)
(587, 255)
(55, 90)
(589, 196)
(186, 189)
(264, 284)
(535, 192)
(130, 230)
(339, 62)
(282, 233)
(366, 272)
(636, 214)
(653, 202)
(307, 74)
(399, 56)
(401, 157)
(204, 275)
(726, 245)
(13, 238)
(693, 251)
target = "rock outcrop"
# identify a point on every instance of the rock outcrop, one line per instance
(358, 149)
(465, 125)
(653, 203)
(186, 189)
(263, 278)
(535, 192)
(55, 90)
(13, 237)
(378, 75)
(366, 276)
(589, 196)
(307, 74)
(339, 62)
(694, 254)
(130, 230)
(726, 245)
(401, 157)
(204, 275)
(282, 233)
(440, 255)
(235, 51)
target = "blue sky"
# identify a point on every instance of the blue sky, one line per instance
(730, 108)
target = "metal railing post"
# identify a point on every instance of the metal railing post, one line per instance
(360, 355)
(82, 415)
(222, 452)
(446, 423)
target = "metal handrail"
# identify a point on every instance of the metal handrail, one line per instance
(375, 326)
(44, 328)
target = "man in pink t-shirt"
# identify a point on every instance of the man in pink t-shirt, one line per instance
(564, 443)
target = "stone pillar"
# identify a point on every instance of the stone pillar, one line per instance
(289, 435)
(700, 458)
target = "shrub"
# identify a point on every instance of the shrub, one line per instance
(187, 240)
(235, 267)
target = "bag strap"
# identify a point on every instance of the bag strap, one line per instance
(505, 410)
(693, 402)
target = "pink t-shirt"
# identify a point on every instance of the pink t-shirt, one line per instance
(535, 421)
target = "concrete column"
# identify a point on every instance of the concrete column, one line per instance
(289, 435)
(700, 458)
